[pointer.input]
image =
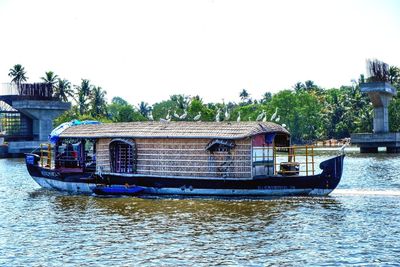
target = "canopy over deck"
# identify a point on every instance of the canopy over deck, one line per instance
(226, 130)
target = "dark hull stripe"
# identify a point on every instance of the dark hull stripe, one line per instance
(327, 180)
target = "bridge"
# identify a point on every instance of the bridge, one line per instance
(380, 94)
(27, 112)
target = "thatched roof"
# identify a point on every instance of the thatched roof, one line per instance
(227, 130)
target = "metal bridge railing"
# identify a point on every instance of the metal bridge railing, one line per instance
(35, 90)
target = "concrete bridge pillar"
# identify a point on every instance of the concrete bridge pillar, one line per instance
(42, 113)
(380, 94)
(381, 120)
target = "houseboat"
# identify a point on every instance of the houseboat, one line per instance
(227, 159)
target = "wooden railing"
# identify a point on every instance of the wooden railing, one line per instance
(300, 159)
(45, 155)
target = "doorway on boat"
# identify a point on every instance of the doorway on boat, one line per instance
(263, 154)
(123, 156)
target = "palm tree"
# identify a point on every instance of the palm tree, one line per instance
(144, 109)
(394, 75)
(181, 101)
(119, 101)
(17, 73)
(244, 95)
(98, 102)
(63, 90)
(309, 84)
(85, 87)
(267, 97)
(82, 104)
(50, 77)
(83, 93)
(298, 86)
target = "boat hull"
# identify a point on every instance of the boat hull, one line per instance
(88, 183)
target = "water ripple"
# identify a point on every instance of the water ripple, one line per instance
(357, 225)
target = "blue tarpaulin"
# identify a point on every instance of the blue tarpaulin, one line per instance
(55, 134)
(269, 138)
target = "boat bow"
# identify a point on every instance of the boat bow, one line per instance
(332, 170)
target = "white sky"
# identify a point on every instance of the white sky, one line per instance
(150, 49)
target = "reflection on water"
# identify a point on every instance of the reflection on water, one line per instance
(363, 192)
(358, 224)
(190, 209)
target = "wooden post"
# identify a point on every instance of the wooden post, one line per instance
(312, 159)
(49, 155)
(41, 155)
(306, 160)
(275, 164)
(294, 153)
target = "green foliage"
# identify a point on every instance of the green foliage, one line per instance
(394, 106)
(196, 106)
(160, 110)
(144, 109)
(127, 114)
(119, 100)
(73, 114)
(299, 110)
(120, 111)
(394, 78)
(68, 115)
(394, 115)
(267, 97)
(182, 101)
(82, 93)
(299, 86)
(63, 90)
(245, 97)
(18, 74)
(98, 103)
(50, 77)
(308, 111)
(248, 112)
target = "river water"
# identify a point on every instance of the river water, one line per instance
(359, 224)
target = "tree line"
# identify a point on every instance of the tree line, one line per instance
(307, 110)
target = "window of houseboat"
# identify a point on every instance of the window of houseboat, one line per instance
(123, 155)
(75, 153)
(220, 161)
(90, 154)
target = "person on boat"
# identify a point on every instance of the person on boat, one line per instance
(69, 157)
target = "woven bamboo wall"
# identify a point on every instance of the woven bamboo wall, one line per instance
(184, 157)
(103, 155)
